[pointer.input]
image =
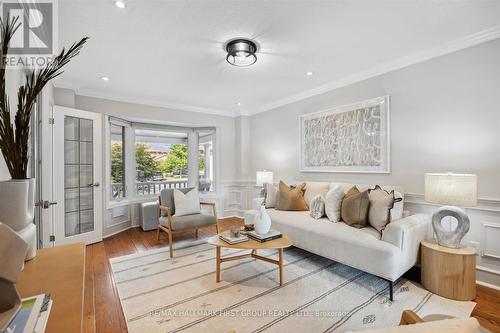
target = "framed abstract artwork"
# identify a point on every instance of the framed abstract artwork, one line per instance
(349, 138)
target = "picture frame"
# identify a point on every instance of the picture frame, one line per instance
(352, 138)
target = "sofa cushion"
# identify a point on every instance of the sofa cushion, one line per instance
(317, 207)
(333, 203)
(291, 197)
(354, 209)
(315, 188)
(396, 212)
(358, 248)
(272, 195)
(381, 204)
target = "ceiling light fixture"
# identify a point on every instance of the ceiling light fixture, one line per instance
(309, 73)
(239, 103)
(241, 52)
(105, 78)
(120, 4)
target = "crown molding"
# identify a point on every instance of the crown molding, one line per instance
(142, 101)
(428, 54)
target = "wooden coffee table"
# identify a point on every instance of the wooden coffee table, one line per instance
(279, 244)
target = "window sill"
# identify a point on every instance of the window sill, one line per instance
(149, 198)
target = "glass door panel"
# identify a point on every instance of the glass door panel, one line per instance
(78, 176)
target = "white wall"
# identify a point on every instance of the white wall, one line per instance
(445, 116)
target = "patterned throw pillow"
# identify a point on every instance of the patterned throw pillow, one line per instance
(381, 205)
(354, 209)
(317, 207)
(333, 203)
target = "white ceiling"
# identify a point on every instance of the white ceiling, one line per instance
(171, 52)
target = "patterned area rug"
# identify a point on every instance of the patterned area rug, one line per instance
(159, 294)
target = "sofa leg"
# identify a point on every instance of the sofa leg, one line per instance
(391, 290)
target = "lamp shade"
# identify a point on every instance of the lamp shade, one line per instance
(451, 189)
(263, 177)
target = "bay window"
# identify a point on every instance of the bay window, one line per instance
(162, 156)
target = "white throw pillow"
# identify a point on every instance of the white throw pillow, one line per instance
(333, 203)
(397, 210)
(187, 204)
(272, 195)
(317, 207)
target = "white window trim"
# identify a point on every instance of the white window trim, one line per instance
(130, 162)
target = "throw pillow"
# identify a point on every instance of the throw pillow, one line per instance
(397, 210)
(333, 203)
(313, 189)
(186, 204)
(354, 209)
(272, 194)
(317, 207)
(381, 204)
(291, 197)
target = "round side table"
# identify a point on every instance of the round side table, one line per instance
(449, 272)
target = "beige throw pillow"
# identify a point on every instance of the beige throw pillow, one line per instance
(291, 197)
(333, 203)
(381, 204)
(354, 209)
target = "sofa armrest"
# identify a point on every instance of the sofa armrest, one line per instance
(406, 234)
(257, 202)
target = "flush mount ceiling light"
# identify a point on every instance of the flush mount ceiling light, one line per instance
(241, 52)
(105, 78)
(120, 4)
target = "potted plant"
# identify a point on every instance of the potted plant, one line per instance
(17, 195)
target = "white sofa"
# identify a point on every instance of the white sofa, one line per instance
(388, 255)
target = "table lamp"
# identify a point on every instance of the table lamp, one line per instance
(264, 177)
(452, 190)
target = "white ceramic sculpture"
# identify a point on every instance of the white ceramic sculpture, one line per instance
(17, 199)
(12, 253)
(262, 221)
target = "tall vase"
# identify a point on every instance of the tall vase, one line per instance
(17, 210)
(262, 221)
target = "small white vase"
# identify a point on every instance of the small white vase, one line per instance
(262, 221)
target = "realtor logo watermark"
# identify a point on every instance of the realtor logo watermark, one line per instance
(35, 40)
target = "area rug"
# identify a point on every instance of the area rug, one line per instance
(159, 294)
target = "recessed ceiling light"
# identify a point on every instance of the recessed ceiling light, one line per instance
(120, 4)
(309, 73)
(105, 78)
(239, 103)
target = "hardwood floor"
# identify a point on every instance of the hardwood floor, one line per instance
(102, 310)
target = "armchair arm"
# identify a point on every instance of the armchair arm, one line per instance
(406, 234)
(212, 204)
(165, 209)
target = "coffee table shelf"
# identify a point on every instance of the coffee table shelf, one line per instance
(279, 244)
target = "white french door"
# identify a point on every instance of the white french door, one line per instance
(76, 176)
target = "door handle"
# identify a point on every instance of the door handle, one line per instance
(96, 184)
(45, 204)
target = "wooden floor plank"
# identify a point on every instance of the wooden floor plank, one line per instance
(105, 309)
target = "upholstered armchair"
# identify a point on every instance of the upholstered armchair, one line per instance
(168, 222)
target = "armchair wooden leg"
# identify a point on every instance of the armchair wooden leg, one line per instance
(170, 243)
(217, 227)
(196, 233)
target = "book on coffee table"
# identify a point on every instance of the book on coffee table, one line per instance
(272, 234)
(226, 237)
